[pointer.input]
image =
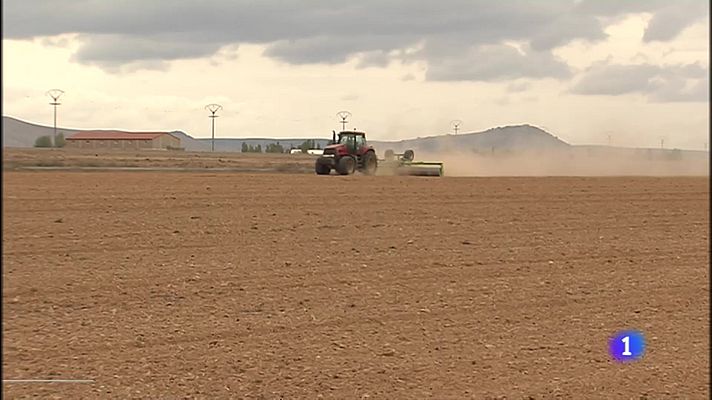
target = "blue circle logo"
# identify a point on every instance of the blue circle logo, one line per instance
(627, 346)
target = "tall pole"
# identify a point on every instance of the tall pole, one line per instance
(212, 141)
(54, 135)
(55, 94)
(343, 115)
(456, 125)
(213, 108)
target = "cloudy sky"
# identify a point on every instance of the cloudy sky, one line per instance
(637, 70)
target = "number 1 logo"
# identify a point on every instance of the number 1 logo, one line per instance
(626, 350)
(627, 346)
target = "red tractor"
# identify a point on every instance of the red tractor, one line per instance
(347, 155)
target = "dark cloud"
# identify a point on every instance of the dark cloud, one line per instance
(669, 17)
(497, 63)
(680, 90)
(333, 31)
(565, 28)
(670, 21)
(659, 83)
(375, 58)
(112, 49)
(612, 8)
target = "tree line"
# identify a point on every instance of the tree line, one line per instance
(278, 148)
(46, 141)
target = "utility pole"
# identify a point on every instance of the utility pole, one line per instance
(456, 125)
(55, 94)
(213, 108)
(343, 115)
(662, 143)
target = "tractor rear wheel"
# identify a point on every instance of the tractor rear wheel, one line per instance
(322, 169)
(370, 163)
(346, 165)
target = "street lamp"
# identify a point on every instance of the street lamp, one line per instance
(55, 94)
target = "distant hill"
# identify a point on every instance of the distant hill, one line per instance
(190, 143)
(18, 133)
(508, 138)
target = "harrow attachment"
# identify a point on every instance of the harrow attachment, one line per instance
(403, 164)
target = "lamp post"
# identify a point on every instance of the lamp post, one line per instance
(213, 108)
(55, 94)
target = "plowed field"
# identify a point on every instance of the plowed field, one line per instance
(222, 285)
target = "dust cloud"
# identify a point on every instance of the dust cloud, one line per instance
(586, 161)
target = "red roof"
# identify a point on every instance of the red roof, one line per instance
(115, 135)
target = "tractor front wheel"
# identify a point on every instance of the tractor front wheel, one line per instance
(346, 165)
(322, 169)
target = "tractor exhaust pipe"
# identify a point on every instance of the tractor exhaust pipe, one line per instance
(333, 137)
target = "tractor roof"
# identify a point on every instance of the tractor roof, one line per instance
(352, 133)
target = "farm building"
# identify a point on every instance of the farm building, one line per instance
(122, 140)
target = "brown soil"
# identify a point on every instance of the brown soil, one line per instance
(18, 158)
(204, 285)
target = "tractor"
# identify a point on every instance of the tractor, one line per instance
(346, 154)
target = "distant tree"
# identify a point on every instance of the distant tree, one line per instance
(304, 146)
(274, 148)
(43, 141)
(245, 148)
(307, 144)
(60, 142)
(248, 148)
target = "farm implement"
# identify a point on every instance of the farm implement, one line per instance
(404, 164)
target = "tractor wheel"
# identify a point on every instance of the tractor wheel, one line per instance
(370, 163)
(409, 155)
(346, 165)
(322, 169)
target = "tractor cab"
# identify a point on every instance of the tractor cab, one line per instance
(349, 142)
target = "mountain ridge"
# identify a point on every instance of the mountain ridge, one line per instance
(20, 133)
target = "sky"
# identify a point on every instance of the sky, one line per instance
(634, 71)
